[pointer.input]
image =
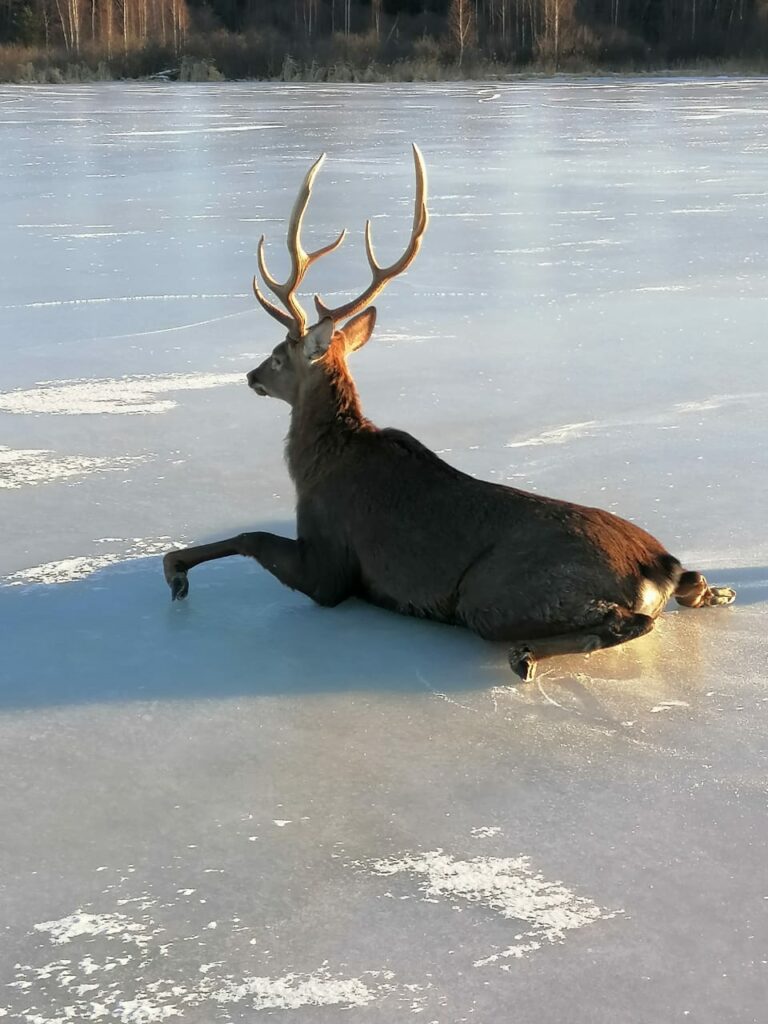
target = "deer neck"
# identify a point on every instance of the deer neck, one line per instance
(325, 417)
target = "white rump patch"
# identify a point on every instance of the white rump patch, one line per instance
(650, 599)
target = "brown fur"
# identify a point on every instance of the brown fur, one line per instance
(383, 518)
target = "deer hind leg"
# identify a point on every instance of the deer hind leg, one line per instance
(693, 591)
(618, 626)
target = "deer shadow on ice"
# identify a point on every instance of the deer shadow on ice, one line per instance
(114, 637)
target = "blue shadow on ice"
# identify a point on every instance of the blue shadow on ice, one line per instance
(116, 636)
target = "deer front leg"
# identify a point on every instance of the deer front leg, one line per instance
(293, 562)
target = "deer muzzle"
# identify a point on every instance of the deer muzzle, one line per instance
(253, 382)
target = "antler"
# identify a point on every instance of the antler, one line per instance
(381, 276)
(295, 320)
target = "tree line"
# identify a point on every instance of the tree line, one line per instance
(317, 38)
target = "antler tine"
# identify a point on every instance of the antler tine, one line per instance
(381, 276)
(312, 256)
(284, 318)
(295, 319)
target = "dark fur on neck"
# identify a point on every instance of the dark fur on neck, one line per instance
(323, 420)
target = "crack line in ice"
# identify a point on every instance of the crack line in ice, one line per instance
(574, 431)
(205, 130)
(55, 303)
(101, 234)
(177, 327)
(113, 395)
(508, 886)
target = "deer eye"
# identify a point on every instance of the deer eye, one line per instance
(277, 363)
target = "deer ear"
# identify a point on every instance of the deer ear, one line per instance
(359, 329)
(318, 339)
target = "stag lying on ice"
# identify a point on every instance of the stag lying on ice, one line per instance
(381, 517)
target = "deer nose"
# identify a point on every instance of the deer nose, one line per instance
(253, 382)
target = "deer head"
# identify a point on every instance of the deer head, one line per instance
(309, 351)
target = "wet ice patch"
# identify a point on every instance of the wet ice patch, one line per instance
(26, 467)
(69, 570)
(544, 911)
(114, 395)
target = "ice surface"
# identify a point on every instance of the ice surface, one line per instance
(248, 805)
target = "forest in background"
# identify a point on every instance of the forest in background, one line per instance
(372, 40)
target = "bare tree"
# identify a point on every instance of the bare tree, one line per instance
(69, 18)
(461, 25)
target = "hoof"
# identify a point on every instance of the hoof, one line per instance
(594, 643)
(179, 585)
(522, 663)
(718, 596)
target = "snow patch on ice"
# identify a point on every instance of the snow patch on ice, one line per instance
(118, 987)
(664, 288)
(66, 929)
(716, 402)
(25, 467)
(68, 570)
(547, 910)
(666, 705)
(485, 831)
(558, 435)
(115, 395)
(295, 990)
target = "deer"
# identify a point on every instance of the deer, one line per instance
(382, 518)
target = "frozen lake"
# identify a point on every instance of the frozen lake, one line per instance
(247, 805)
